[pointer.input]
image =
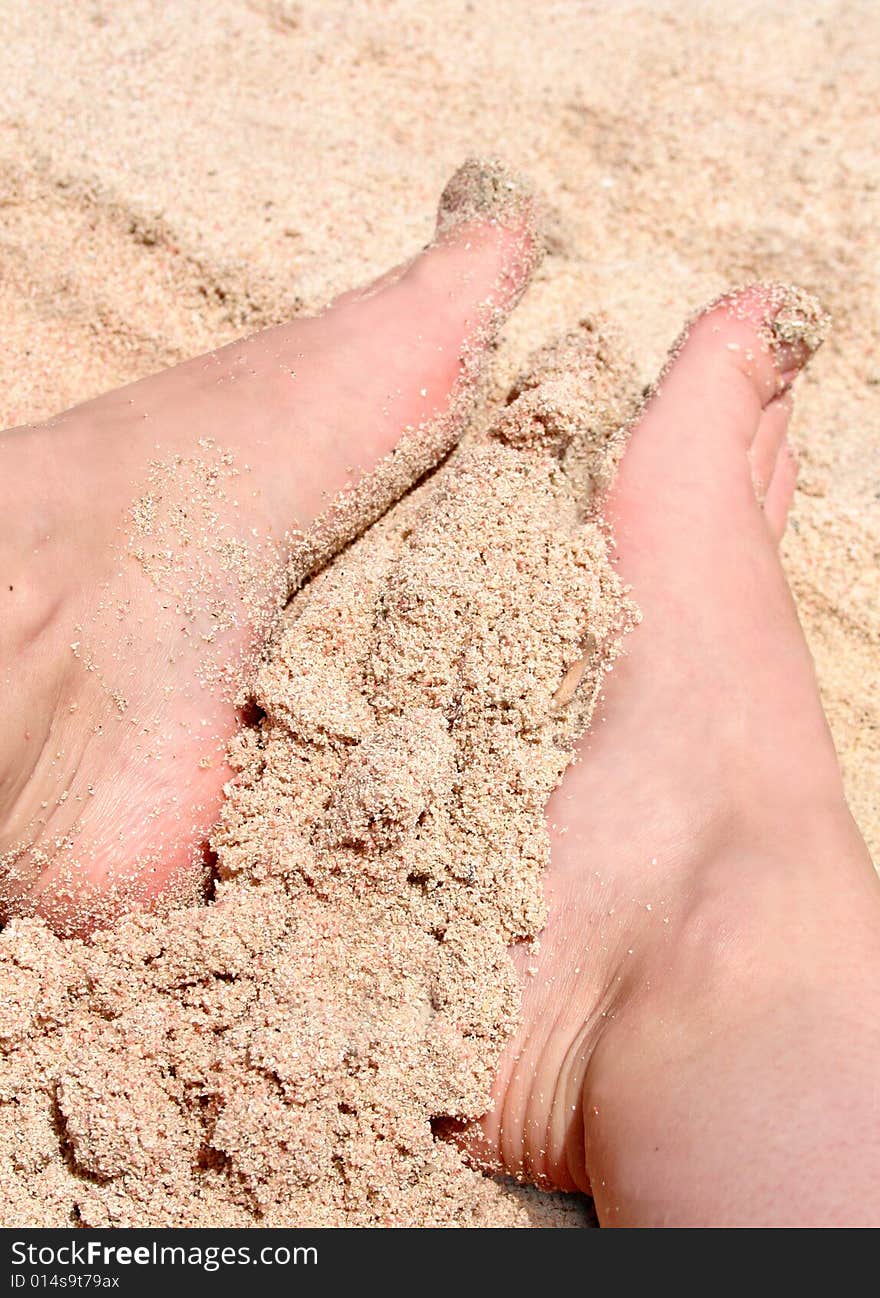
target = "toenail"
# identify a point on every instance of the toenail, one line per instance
(797, 328)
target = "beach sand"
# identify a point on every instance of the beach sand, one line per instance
(279, 1056)
(170, 179)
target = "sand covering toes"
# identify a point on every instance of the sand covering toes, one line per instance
(277, 1057)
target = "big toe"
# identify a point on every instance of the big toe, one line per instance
(710, 445)
(719, 648)
(389, 373)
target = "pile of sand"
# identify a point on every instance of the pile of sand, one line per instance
(277, 1058)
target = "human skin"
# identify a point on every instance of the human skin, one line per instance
(701, 1027)
(700, 1040)
(117, 717)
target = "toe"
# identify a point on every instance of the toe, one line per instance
(735, 359)
(768, 441)
(780, 492)
(420, 334)
(424, 326)
(379, 387)
(691, 538)
(719, 397)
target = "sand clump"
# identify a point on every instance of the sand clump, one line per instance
(277, 1057)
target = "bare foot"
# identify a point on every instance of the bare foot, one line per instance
(708, 769)
(148, 538)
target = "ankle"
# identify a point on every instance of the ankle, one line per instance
(753, 925)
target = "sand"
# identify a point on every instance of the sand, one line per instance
(221, 166)
(279, 1057)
